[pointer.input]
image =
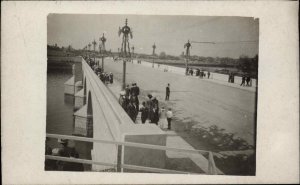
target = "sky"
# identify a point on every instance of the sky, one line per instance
(169, 33)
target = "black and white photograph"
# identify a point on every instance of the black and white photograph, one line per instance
(152, 94)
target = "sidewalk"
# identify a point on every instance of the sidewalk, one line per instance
(181, 71)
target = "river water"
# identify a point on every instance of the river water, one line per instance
(59, 106)
(60, 110)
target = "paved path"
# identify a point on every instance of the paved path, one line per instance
(194, 100)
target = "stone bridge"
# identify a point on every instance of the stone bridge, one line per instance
(98, 115)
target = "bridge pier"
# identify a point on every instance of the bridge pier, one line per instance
(83, 124)
(79, 99)
(74, 84)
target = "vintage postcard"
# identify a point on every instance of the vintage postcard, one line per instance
(150, 92)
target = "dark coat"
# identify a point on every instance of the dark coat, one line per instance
(70, 166)
(144, 113)
(111, 78)
(131, 111)
(135, 90)
(155, 103)
(127, 91)
(167, 90)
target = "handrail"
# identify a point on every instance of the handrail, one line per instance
(127, 166)
(75, 160)
(211, 164)
(139, 145)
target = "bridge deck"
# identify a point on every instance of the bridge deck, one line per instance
(196, 101)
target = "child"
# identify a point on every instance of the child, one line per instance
(169, 115)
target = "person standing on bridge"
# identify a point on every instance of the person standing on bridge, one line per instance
(131, 111)
(111, 78)
(134, 90)
(127, 91)
(149, 106)
(135, 102)
(169, 115)
(167, 92)
(137, 90)
(243, 80)
(144, 112)
(248, 79)
(155, 114)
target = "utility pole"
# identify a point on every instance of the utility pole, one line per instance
(103, 40)
(153, 53)
(125, 49)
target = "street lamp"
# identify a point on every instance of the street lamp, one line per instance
(187, 46)
(153, 53)
(103, 40)
(125, 49)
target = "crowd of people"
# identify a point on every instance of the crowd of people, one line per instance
(198, 72)
(246, 79)
(106, 78)
(129, 100)
(149, 109)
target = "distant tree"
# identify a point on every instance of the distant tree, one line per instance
(162, 55)
(244, 63)
(69, 48)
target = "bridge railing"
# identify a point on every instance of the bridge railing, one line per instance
(212, 169)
